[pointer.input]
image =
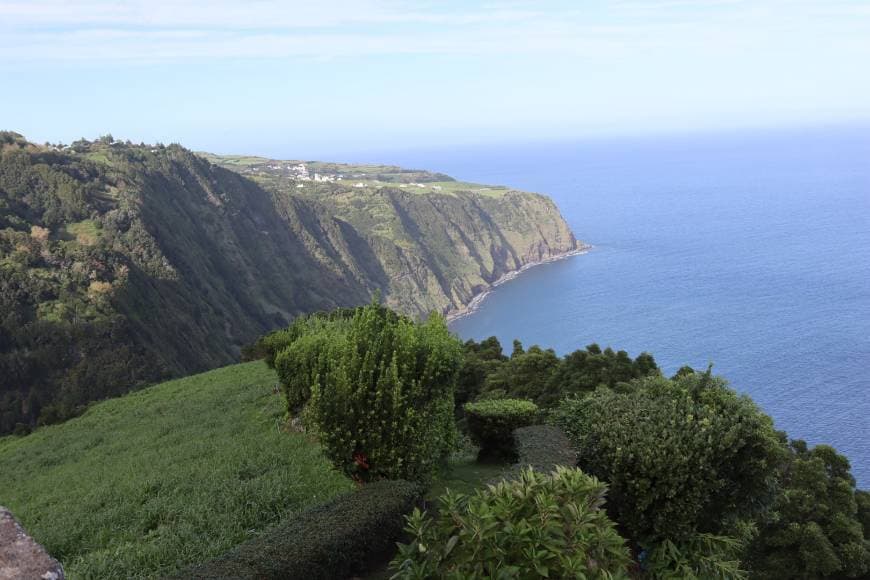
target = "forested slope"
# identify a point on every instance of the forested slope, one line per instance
(123, 264)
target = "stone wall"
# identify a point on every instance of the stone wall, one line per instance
(20, 556)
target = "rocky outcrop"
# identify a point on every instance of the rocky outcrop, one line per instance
(21, 558)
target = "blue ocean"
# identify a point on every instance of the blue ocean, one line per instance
(748, 250)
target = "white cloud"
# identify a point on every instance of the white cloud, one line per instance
(95, 31)
(225, 14)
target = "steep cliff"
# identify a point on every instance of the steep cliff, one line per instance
(439, 242)
(122, 264)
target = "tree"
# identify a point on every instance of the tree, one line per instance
(540, 375)
(526, 375)
(479, 361)
(377, 389)
(682, 457)
(816, 528)
(585, 370)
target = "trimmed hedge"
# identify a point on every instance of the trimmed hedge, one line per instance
(491, 423)
(543, 447)
(338, 539)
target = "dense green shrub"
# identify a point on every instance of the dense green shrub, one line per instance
(700, 557)
(478, 362)
(815, 529)
(270, 345)
(377, 389)
(539, 525)
(543, 448)
(339, 539)
(540, 375)
(682, 457)
(491, 423)
(527, 375)
(862, 501)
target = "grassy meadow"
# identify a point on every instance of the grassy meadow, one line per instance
(171, 475)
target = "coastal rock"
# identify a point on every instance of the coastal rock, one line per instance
(20, 556)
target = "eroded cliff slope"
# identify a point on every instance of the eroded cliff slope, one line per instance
(122, 264)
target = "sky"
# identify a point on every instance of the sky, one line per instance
(302, 79)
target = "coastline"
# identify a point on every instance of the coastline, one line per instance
(478, 298)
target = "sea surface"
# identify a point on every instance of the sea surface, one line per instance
(748, 250)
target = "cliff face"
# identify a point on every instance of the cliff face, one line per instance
(123, 264)
(454, 247)
(437, 242)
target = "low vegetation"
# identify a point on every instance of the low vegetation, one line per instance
(536, 526)
(172, 475)
(338, 539)
(698, 483)
(701, 484)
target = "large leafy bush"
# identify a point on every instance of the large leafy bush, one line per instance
(491, 423)
(682, 457)
(815, 529)
(539, 525)
(377, 389)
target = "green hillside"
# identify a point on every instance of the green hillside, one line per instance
(122, 264)
(167, 476)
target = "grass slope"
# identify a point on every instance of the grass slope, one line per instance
(164, 477)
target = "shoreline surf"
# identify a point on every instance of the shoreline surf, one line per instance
(478, 298)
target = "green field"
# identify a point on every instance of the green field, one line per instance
(167, 476)
(371, 176)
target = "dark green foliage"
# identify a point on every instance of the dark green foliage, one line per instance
(527, 375)
(701, 557)
(378, 390)
(585, 370)
(862, 501)
(683, 371)
(491, 423)
(816, 528)
(538, 525)
(268, 346)
(682, 457)
(541, 376)
(62, 344)
(479, 361)
(543, 448)
(339, 539)
(12, 138)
